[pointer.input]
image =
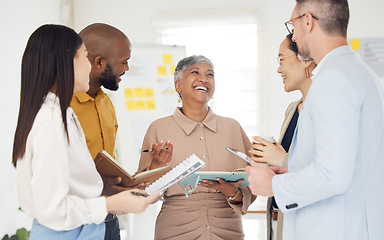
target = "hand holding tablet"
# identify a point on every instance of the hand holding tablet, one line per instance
(239, 154)
(244, 156)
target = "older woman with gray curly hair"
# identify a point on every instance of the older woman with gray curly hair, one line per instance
(213, 210)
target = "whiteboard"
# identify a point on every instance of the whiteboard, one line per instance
(146, 93)
(371, 51)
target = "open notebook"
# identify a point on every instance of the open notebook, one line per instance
(178, 173)
(107, 166)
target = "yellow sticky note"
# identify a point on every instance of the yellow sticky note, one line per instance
(151, 104)
(149, 92)
(128, 93)
(355, 44)
(139, 92)
(140, 104)
(130, 105)
(167, 58)
(162, 70)
(173, 68)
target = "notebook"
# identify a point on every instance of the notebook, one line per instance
(178, 173)
(107, 166)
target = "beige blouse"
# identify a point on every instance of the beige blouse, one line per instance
(207, 140)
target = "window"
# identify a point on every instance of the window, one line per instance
(233, 49)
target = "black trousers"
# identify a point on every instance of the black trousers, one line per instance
(112, 230)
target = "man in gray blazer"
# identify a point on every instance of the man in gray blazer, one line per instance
(333, 188)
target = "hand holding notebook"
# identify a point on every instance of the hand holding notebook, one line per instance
(178, 173)
(198, 176)
(109, 167)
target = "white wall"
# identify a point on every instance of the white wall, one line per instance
(18, 19)
(136, 19)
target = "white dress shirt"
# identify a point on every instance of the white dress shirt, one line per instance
(335, 182)
(58, 183)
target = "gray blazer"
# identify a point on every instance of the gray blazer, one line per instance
(288, 116)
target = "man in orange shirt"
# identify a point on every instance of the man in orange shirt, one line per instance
(109, 50)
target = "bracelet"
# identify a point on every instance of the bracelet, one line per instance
(234, 197)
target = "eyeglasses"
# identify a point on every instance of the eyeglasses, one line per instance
(280, 59)
(289, 24)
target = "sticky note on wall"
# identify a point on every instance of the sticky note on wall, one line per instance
(130, 105)
(139, 92)
(162, 70)
(148, 92)
(355, 44)
(128, 93)
(151, 104)
(173, 68)
(140, 104)
(167, 58)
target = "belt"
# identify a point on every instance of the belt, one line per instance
(110, 217)
(275, 214)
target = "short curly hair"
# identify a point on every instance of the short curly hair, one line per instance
(186, 62)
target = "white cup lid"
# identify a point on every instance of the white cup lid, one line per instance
(269, 138)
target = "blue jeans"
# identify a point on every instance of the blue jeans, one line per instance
(84, 232)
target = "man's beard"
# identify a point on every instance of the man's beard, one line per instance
(304, 54)
(108, 79)
(304, 59)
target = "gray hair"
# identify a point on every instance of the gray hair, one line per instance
(333, 15)
(186, 62)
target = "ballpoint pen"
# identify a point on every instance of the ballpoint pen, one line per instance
(151, 149)
(146, 195)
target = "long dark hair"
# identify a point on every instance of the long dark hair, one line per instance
(47, 64)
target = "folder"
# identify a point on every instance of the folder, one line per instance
(212, 175)
(195, 178)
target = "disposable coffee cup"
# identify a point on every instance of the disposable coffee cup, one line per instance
(269, 138)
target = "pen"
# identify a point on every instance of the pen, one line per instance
(151, 149)
(146, 195)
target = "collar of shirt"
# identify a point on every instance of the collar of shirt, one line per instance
(52, 100)
(84, 97)
(334, 53)
(189, 125)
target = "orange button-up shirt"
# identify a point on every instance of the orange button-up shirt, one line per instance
(97, 117)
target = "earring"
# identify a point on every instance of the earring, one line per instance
(179, 95)
(307, 74)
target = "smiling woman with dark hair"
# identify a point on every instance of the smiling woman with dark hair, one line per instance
(296, 75)
(214, 209)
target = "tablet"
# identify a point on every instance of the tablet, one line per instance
(239, 154)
